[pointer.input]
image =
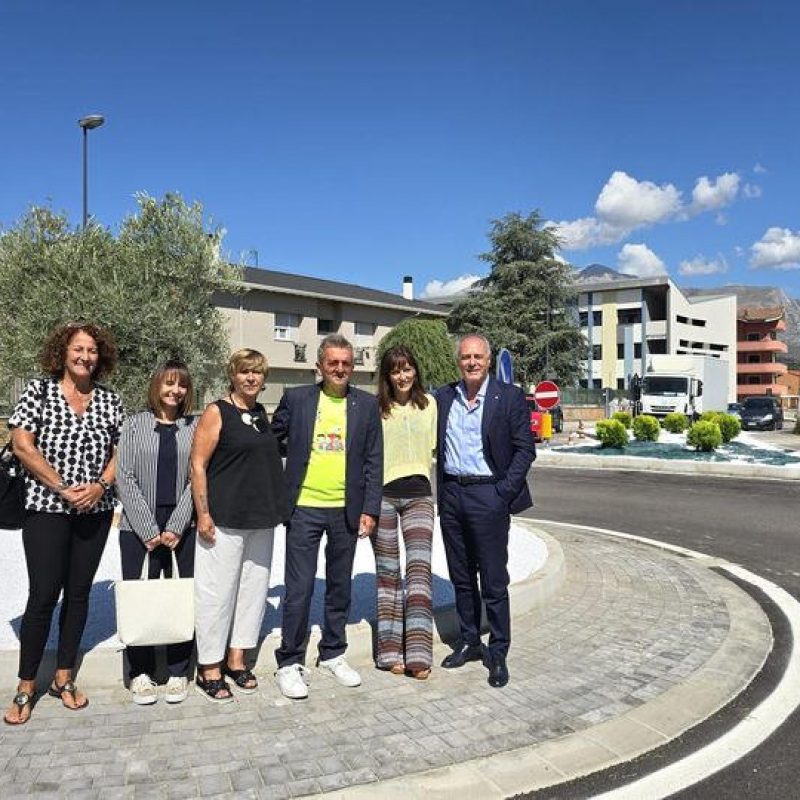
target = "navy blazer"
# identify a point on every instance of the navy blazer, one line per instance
(508, 445)
(293, 425)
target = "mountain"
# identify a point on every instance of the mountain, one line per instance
(599, 273)
(764, 296)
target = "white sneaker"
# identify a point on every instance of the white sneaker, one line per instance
(143, 690)
(340, 670)
(176, 690)
(292, 681)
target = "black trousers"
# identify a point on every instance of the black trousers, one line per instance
(143, 659)
(62, 552)
(475, 522)
(303, 534)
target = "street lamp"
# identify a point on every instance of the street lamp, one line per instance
(88, 123)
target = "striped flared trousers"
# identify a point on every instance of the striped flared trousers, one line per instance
(405, 629)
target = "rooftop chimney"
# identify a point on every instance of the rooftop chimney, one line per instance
(408, 287)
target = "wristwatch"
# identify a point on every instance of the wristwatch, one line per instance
(104, 483)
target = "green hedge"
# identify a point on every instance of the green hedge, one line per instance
(704, 435)
(611, 433)
(646, 428)
(675, 422)
(729, 425)
(625, 417)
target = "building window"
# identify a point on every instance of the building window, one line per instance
(754, 380)
(583, 319)
(597, 317)
(718, 347)
(364, 330)
(597, 351)
(583, 383)
(751, 359)
(637, 350)
(620, 383)
(657, 346)
(299, 353)
(773, 335)
(683, 342)
(752, 337)
(629, 316)
(685, 320)
(620, 350)
(698, 346)
(699, 323)
(326, 326)
(286, 326)
(596, 384)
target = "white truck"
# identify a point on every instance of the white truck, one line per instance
(685, 384)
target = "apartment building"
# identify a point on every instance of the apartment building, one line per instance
(758, 347)
(285, 316)
(626, 320)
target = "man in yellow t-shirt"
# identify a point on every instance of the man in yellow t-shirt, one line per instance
(334, 471)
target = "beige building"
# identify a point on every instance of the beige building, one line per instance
(285, 316)
(627, 320)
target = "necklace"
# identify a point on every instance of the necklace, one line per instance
(254, 421)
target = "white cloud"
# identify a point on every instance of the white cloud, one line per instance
(448, 288)
(751, 190)
(626, 203)
(640, 260)
(778, 248)
(759, 169)
(708, 195)
(700, 265)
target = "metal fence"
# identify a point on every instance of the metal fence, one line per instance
(576, 396)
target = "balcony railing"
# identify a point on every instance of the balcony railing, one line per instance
(762, 346)
(768, 368)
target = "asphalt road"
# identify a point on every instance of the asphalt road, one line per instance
(750, 522)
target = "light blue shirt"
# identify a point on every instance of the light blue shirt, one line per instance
(463, 445)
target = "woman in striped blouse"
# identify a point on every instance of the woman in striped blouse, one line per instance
(405, 628)
(153, 481)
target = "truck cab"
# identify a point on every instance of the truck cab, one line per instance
(667, 394)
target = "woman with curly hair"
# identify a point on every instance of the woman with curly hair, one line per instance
(64, 431)
(405, 619)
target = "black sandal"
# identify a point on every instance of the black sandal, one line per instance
(21, 699)
(210, 688)
(54, 690)
(241, 677)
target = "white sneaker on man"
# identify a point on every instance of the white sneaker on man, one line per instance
(143, 690)
(341, 670)
(292, 681)
(176, 690)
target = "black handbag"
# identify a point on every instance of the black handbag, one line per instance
(12, 490)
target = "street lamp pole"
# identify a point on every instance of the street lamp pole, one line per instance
(88, 123)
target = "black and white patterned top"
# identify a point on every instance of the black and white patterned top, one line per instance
(77, 447)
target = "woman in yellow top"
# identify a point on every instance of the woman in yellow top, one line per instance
(405, 629)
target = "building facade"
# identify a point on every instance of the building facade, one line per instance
(627, 320)
(758, 347)
(285, 316)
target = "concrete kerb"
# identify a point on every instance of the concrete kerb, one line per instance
(712, 686)
(103, 666)
(551, 458)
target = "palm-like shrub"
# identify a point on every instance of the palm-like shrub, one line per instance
(646, 428)
(704, 435)
(675, 422)
(611, 433)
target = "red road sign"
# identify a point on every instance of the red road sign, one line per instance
(546, 394)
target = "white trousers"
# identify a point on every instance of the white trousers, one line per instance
(231, 580)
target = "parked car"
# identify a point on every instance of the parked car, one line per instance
(556, 413)
(735, 409)
(762, 413)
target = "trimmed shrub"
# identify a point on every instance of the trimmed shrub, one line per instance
(625, 417)
(704, 435)
(675, 422)
(729, 425)
(646, 428)
(611, 433)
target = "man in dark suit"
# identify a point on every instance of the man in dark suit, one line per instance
(484, 451)
(334, 471)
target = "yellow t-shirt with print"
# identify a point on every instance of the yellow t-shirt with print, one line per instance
(324, 483)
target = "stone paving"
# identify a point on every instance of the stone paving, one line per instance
(631, 623)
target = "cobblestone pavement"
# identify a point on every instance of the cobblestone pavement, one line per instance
(631, 623)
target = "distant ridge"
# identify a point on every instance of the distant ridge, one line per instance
(599, 273)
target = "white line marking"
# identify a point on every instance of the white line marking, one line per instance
(747, 734)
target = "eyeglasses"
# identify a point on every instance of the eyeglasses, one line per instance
(257, 423)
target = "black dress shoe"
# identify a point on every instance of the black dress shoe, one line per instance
(498, 672)
(464, 653)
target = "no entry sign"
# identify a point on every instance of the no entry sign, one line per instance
(546, 395)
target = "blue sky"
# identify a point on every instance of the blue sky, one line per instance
(363, 141)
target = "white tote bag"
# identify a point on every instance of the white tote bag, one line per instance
(157, 611)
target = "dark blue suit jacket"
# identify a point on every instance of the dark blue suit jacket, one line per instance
(293, 425)
(508, 445)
